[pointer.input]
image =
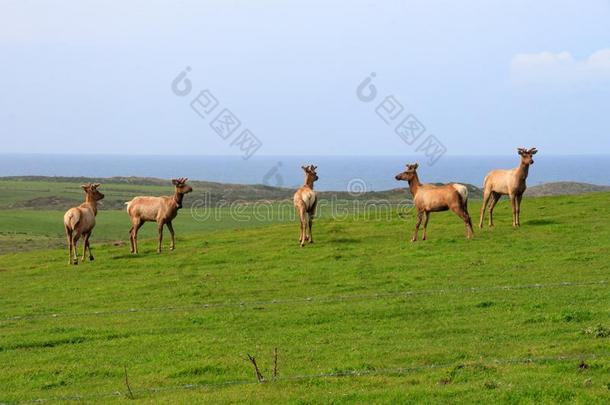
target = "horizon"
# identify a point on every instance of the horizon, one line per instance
(370, 172)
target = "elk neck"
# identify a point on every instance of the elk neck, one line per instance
(178, 199)
(522, 171)
(414, 184)
(309, 181)
(91, 201)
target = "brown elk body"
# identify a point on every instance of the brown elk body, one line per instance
(161, 210)
(507, 182)
(305, 202)
(429, 198)
(79, 221)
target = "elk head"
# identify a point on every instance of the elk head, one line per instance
(92, 192)
(181, 186)
(408, 174)
(526, 155)
(310, 173)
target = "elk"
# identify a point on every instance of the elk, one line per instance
(429, 198)
(305, 202)
(161, 210)
(79, 221)
(507, 182)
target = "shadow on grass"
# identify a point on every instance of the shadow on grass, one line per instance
(344, 240)
(131, 256)
(541, 222)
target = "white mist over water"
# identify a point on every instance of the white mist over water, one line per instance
(375, 173)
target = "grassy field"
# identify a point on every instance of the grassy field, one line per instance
(361, 315)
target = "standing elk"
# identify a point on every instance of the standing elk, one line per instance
(161, 210)
(430, 198)
(305, 202)
(507, 182)
(79, 221)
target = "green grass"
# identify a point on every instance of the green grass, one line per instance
(333, 307)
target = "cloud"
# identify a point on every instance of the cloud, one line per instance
(548, 68)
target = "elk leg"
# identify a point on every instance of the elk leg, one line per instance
(468, 224)
(75, 237)
(462, 212)
(131, 247)
(420, 216)
(519, 197)
(513, 203)
(302, 218)
(89, 247)
(136, 227)
(486, 195)
(306, 227)
(69, 237)
(160, 230)
(171, 232)
(495, 197)
(426, 218)
(310, 236)
(85, 246)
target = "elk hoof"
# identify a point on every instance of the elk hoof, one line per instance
(75, 262)
(91, 258)
(172, 248)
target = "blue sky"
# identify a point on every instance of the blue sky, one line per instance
(483, 77)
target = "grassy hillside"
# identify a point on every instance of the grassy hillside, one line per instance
(564, 188)
(361, 315)
(60, 193)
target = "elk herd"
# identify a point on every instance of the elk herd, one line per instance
(427, 198)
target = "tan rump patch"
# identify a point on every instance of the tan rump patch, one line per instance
(460, 188)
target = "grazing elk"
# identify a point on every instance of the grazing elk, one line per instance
(161, 210)
(79, 221)
(305, 202)
(429, 198)
(507, 182)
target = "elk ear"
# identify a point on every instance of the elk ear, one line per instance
(175, 182)
(304, 168)
(533, 151)
(85, 186)
(96, 185)
(415, 166)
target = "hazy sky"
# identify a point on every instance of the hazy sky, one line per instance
(483, 77)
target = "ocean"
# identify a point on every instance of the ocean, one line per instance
(354, 173)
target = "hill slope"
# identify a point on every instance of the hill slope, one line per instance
(361, 315)
(564, 188)
(60, 193)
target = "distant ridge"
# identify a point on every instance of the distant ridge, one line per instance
(41, 192)
(564, 188)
